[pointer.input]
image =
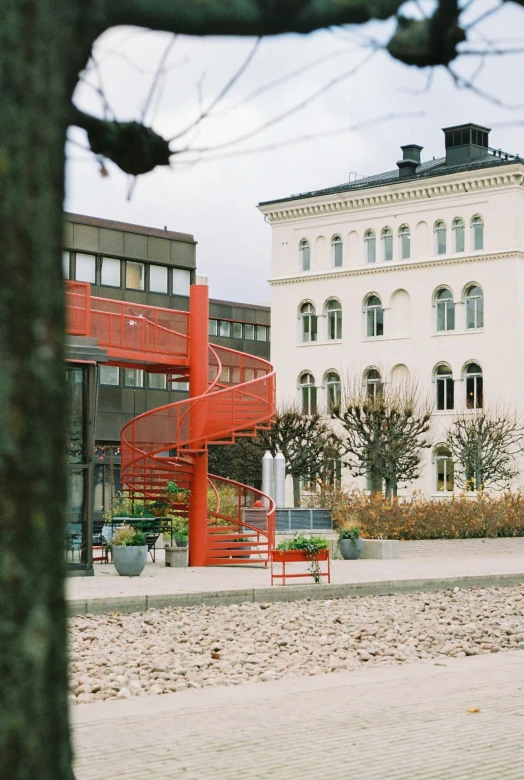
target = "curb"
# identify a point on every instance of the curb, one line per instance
(127, 604)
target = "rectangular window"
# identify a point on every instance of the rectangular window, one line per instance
(180, 387)
(224, 329)
(225, 374)
(213, 327)
(405, 246)
(181, 281)
(309, 399)
(85, 268)
(445, 475)
(236, 330)
(445, 394)
(261, 333)
(249, 332)
(157, 381)
(135, 276)
(109, 375)
(459, 238)
(133, 377)
(158, 278)
(249, 374)
(65, 264)
(110, 273)
(441, 241)
(337, 252)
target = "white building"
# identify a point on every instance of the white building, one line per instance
(415, 272)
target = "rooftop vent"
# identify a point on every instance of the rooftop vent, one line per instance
(410, 161)
(466, 143)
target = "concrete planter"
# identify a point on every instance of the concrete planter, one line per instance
(176, 557)
(382, 549)
(350, 549)
(129, 561)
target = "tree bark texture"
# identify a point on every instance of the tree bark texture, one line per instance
(40, 40)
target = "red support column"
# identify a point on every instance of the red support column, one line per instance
(198, 382)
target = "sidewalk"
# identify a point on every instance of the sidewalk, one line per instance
(457, 565)
(382, 723)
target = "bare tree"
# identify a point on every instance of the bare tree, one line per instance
(306, 442)
(484, 447)
(383, 433)
(44, 45)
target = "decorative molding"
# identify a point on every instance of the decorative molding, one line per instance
(389, 267)
(420, 190)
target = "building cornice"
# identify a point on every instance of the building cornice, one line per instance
(403, 265)
(398, 193)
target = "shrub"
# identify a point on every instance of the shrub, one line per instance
(127, 536)
(459, 517)
(309, 544)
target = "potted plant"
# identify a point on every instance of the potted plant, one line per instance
(304, 548)
(159, 508)
(181, 531)
(350, 543)
(177, 494)
(129, 550)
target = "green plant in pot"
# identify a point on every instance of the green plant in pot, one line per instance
(159, 507)
(175, 493)
(349, 542)
(310, 546)
(129, 551)
(181, 531)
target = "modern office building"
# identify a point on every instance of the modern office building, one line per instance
(416, 273)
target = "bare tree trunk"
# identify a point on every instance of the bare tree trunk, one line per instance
(37, 41)
(296, 492)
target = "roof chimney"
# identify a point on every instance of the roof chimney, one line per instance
(410, 161)
(466, 143)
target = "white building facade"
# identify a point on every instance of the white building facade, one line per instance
(415, 274)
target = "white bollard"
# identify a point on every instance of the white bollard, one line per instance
(267, 475)
(279, 471)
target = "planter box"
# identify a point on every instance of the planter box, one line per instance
(284, 557)
(176, 557)
(382, 549)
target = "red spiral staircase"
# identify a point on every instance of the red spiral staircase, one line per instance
(232, 394)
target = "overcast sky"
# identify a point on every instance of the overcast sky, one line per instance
(215, 200)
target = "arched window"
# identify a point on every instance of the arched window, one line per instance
(336, 250)
(309, 322)
(477, 228)
(474, 386)
(308, 393)
(474, 307)
(305, 255)
(371, 246)
(334, 319)
(405, 242)
(374, 317)
(445, 310)
(445, 388)
(440, 233)
(445, 471)
(387, 238)
(372, 384)
(333, 389)
(460, 236)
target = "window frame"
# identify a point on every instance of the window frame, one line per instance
(404, 234)
(333, 319)
(474, 385)
(150, 270)
(305, 257)
(333, 388)
(477, 221)
(444, 388)
(376, 319)
(474, 306)
(386, 236)
(308, 322)
(308, 394)
(138, 264)
(459, 224)
(337, 251)
(372, 384)
(442, 454)
(441, 237)
(370, 242)
(445, 308)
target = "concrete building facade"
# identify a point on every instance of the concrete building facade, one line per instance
(415, 274)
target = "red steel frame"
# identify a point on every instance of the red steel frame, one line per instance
(230, 394)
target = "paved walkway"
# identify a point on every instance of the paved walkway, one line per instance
(440, 568)
(407, 722)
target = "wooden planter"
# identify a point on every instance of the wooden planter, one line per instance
(285, 557)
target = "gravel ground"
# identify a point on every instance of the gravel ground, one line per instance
(161, 651)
